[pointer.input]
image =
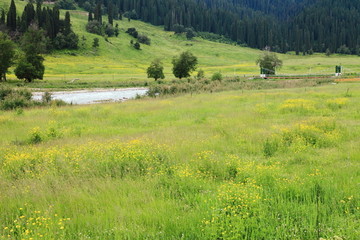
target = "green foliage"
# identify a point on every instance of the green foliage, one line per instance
(34, 42)
(11, 20)
(132, 32)
(269, 62)
(95, 43)
(343, 49)
(46, 97)
(7, 54)
(155, 70)
(200, 74)
(327, 52)
(144, 39)
(30, 68)
(69, 41)
(217, 77)
(95, 27)
(177, 28)
(66, 4)
(184, 64)
(13, 99)
(190, 33)
(35, 136)
(137, 46)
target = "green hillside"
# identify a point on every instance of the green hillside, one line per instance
(116, 60)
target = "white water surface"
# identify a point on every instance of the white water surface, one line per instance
(94, 95)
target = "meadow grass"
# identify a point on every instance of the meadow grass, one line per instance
(117, 61)
(265, 164)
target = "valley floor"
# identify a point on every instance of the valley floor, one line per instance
(260, 164)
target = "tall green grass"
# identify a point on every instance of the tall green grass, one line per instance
(266, 164)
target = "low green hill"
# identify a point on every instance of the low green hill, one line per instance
(116, 60)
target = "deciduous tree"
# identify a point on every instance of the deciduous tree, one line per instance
(184, 64)
(269, 62)
(155, 70)
(7, 53)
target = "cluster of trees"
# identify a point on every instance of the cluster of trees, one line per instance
(30, 63)
(186, 63)
(36, 31)
(58, 32)
(183, 65)
(140, 38)
(303, 26)
(97, 26)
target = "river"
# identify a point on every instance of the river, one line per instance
(94, 95)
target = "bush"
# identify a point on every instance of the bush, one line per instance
(46, 97)
(132, 32)
(217, 76)
(144, 39)
(13, 101)
(200, 74)
(177, 28)
(95, 27)
(4, 91)
(66, 4)
(35, 136)
(109, 30)
(70, 41)
(137, 46)
(131, 14)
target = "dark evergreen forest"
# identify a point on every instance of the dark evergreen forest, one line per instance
(303, 26)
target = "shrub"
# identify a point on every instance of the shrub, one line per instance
(66, 4)
(144, 39)
(95, 27)
(70, 41)
(217, 77)
(137, 46)
(35, 136)
(109, 30)
(132, 32)
(200, 74)
(14, 101)
(46, 98)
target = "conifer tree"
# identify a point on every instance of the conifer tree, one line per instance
(90, 17)
(11, 17)
(67, 24)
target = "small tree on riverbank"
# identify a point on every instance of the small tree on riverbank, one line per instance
(269, 61)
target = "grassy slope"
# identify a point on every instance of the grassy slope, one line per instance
(116, 60)
(171, 168)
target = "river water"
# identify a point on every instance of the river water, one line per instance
(94, 95)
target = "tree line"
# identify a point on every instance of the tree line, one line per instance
(303, 26)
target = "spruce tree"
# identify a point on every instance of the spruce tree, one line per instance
(2, 17)
(90, 17)
(11, 17)
(67, 24)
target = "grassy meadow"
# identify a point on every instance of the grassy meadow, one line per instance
(116, 61)
(264, 164)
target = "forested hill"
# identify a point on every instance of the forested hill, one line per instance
(303, 26)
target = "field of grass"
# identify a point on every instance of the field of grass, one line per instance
(265, 164)
(116, 61)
